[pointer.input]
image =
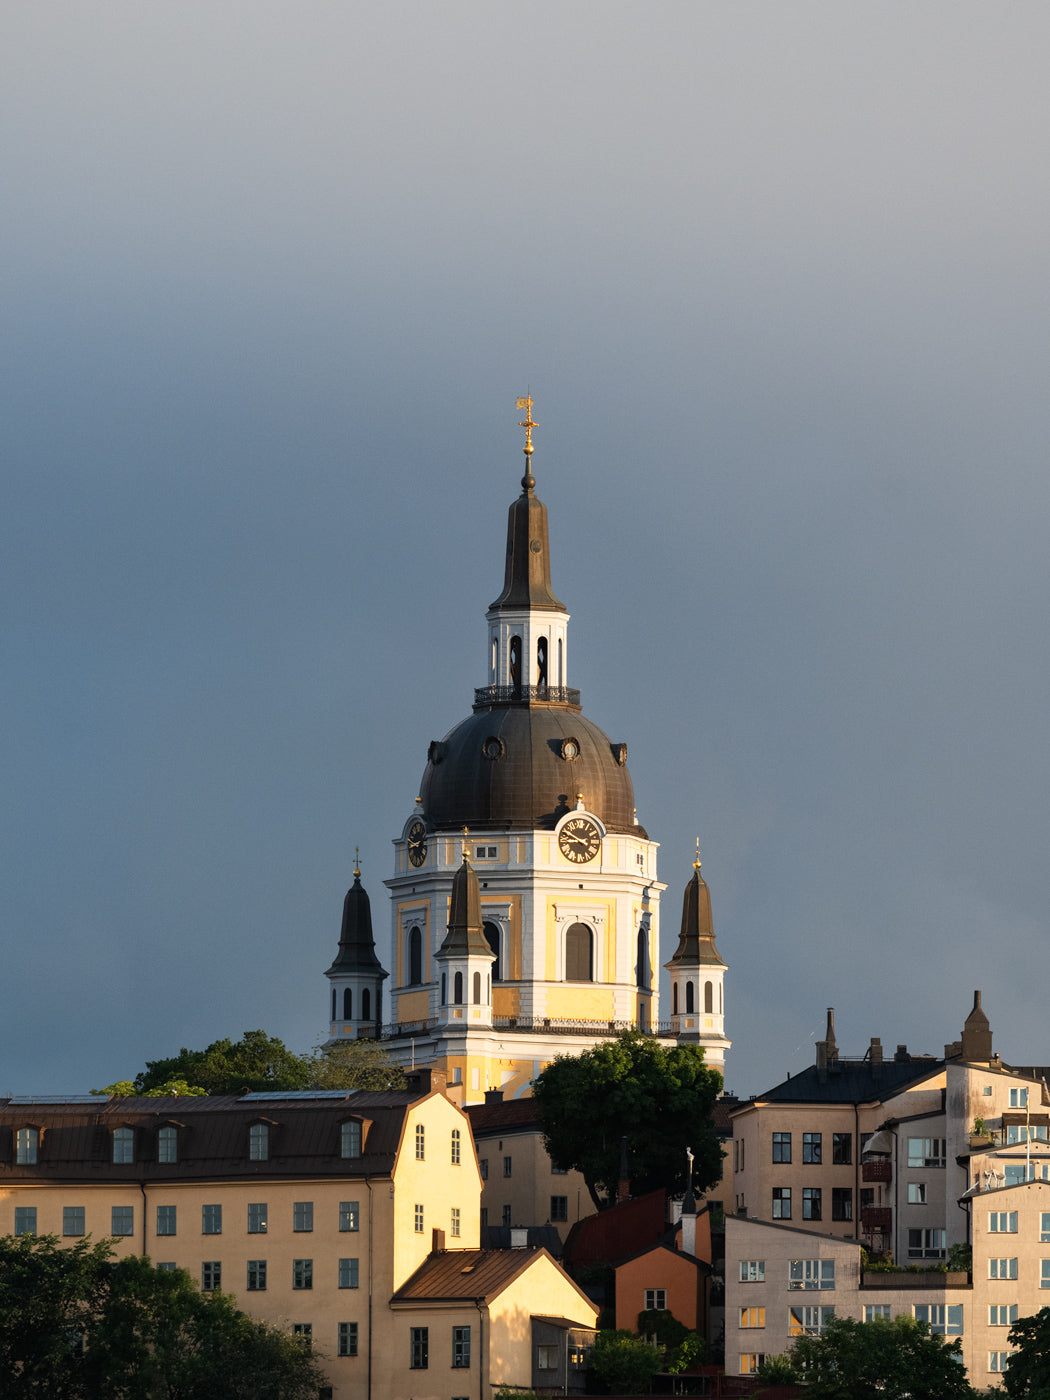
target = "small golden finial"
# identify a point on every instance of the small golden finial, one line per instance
(357, 862)
(696, 862)
(527, 423)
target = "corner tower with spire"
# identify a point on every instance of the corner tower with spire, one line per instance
(698, 975)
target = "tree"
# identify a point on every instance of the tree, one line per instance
(256, 1061)
(171, 1089)
(622, 1363)
(77, 1324)
(1028, 1371)
(880, 1360)
(660, 1100)
(354, 1064)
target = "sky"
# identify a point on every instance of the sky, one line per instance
(273, 276)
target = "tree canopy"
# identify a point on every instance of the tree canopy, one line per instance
(1028, 1371)
(887, 1359)
(660, 1100)
(354, 1064)
(76, 1323)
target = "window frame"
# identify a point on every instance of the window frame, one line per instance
(211, 1218)
(418, 1348)
(461, 1348)
(302, 1275)
(782, 1149)
(349, 1272)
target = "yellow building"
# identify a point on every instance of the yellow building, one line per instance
(316, 1211)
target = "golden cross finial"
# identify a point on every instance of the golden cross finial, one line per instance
(357, 862)
(527, 423)
(696, 863)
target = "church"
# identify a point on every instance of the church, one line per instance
(525, 898)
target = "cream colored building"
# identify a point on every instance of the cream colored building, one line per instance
(315, 1211)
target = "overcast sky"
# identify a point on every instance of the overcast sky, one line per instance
(273, 276)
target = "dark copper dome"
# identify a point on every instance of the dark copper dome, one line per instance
(509, 768)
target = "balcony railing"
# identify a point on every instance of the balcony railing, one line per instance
(876, 1171)
(489, 695)
(536, 1025)
(876, 1220)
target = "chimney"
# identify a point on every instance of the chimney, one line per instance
(901, 1057)
(829, 1038)
(426, 1081)
(519, 1237)
(437, 1244)
(493, 1095)
(875, 1053)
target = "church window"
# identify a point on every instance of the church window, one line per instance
(689, 1007)
(709, 998)
(348, 1004)
(492, 939)
(477, 989)
(561, 678)
(579, 963)
(457, 989)
(415, 955)
(366, 1005)
(456, 1143)
(335, 1003)
(495, 660)
(643, 959)
(444, 989)
(515, 661)
(541, 661)
(674, 999)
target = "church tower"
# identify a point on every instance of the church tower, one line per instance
(698, 976)
(356, 975)
(526, 814)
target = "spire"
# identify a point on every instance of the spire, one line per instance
(465, 931)
(696, 942)
(527, 580)
(357, 949)
(977, 1033)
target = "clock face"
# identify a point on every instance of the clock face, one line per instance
(417, 843)
(579, 840)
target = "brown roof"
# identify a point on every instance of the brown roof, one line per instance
(466, 1273)
(514, 1114)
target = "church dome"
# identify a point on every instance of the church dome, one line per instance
(522, 767)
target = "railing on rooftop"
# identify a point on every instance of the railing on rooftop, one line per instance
(487, 695)
(536, 1025)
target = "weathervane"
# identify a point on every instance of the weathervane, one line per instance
(357, 861)
(527, 423)
(696, 863)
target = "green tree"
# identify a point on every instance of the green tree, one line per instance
(171, 1089)
(1028, 1373)
(354, 1064)
(660, 1100)
(76, 1324)
(256, 1061)
(880, 1360)
(623, 1364)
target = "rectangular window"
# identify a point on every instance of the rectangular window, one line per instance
(419, 1219)
(123, 1145)
(211, 1275)
(419, 1348)
(508, 1166)
(781, 1147)
(842, 1149)
(926, 1152)
(72, 1220)
(257, 1218)
(559, 1171)
(168, 1145)
(546, 1358)
(455, 1222)
(27, 1141)
(211, 1220)
(926, 1244)
(842, 1203)
(256, 1275)
(349, 1215)
(811, 1147)
(122, 1220)
(999, 1360)
(1002, 1268)
(781, 1202)
(1018, 1098)
(752, 1271)
(25, 1220)
(559, 1207)
(752, 1317)
(484, 1217)
(258, 1142)
(302, 1273)
(942, 1321)
(811, 1273)
(916, 1193)
(349, 1273)
(874, 1310)
(420, 1143)
(1044, 1226)
(305, 1332)
(1002, 1315)
(460, 1348)
(809, 1321)
(486, 852)
(350, 1139)
(811, 1203)
(483, 1167)
(750, 1361)
(1044, 1273)
(1002, 1222)
(348, 1339)
(455, 1147)
(655, 1298)
(166, 1220)
(302, 1217)
(168, 1268)
(506, 1215)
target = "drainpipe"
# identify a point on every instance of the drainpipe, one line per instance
(142, 1188)
(368, 1391)
(479, 1303)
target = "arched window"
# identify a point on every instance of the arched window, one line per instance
(515, 661)
(709, 998)
(455, 1147)
(579, 959)
(348, 1004)
(643, 959)
(495, 660)
(477, 989)
(541, 661)
(457, 989)
(366, 1004)
(415, 955)
(719, 998)
(492, 939)
(561, 678)
(335, 1003)
(123, 1145)
(674, 999)
(444, 989)
(688, 997)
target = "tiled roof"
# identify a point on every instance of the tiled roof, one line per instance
(466, 1273)
(511, 1115)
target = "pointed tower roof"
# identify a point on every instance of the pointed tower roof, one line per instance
(357, 949)
(527, 582)
(696, 942)
(465, 932)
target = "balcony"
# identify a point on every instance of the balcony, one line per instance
(488, 697)
(876, 1171)
(876, 1220)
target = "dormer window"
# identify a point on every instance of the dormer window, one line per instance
(350, 1139)
(27, 1146)
(259, 1142)
(123, 1144)
(168, 1144)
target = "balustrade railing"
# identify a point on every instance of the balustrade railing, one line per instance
(487, 695)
